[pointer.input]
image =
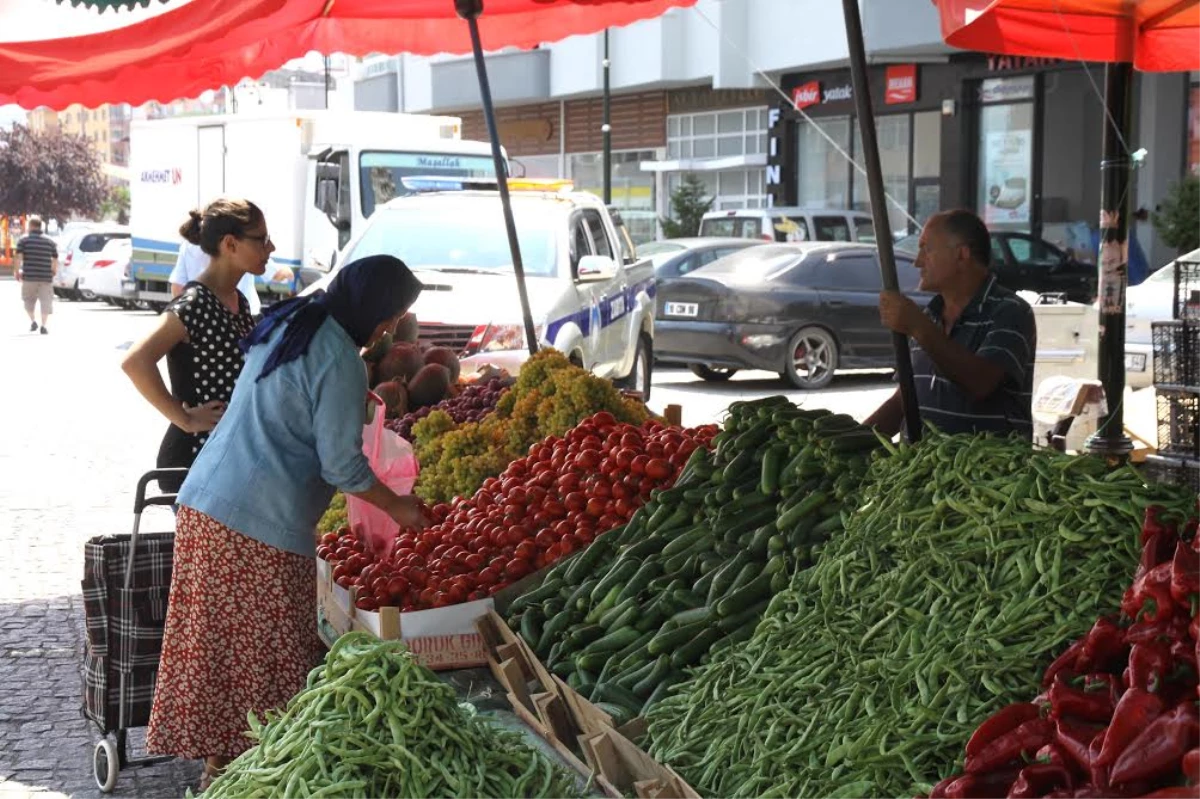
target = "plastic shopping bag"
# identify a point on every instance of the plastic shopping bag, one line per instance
(394, 463)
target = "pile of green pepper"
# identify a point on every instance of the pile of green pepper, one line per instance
(970, 561)
(374, 723)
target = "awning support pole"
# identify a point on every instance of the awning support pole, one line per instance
(1109, 441)
(470, 11)
(883, 227)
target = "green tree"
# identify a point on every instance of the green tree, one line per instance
(116, 205)
(1177, 219)
(50, 174)
(689, 203)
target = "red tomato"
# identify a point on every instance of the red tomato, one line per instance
(366, 603)
(526, 550)
(489, 576)
(585, 536)
(517, 568)
(567, 482)
(625, 508)
(658, 469)
(547, 538)
(397, 587)
(439, 551)
(474, 562)
(588, 460)
(607, 522)
(595, 507)
(340, 571)
(575, 502)
(416, 576)
(329, 539)
(554, 509)
(601, 489)
(323, 552)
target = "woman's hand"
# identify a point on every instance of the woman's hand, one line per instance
(204, 417)
(409, 511)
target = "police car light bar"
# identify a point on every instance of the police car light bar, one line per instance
(434, 183)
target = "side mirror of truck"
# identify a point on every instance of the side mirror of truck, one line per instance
(596, 269)
(327, 197)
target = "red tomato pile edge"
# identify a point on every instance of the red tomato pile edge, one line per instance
(542, 508)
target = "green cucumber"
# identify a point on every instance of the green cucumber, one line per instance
(684, 541)
(759, 541)
(606, 603)
(631, 677)
(745, 618)
(620, 714)
(531, 629)
(691, 651)
(801, 509)
(610, 615)
(590, 661)
(638, 582)
(645, 686)
(748, 595)
(685, 617)
(552, 630)
(615, 694)
(580, 597)
(668, 640)
(772, 467)
(545, 591)
(582, 636)
(724, 577)
(638, 644)
(619, 573)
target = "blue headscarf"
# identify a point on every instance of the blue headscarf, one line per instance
(364, 294)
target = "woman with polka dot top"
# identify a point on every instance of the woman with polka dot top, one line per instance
(200, 331)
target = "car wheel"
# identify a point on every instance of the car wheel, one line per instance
(640, 377)
(713, 374)
(813, 357)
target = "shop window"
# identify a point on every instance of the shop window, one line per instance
(717, 133)
(1005, 166)
(893, 135)
(823, 174)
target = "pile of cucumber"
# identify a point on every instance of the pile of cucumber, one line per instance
(694, 570)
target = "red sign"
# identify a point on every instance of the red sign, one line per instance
(807, 95)
(901, 84)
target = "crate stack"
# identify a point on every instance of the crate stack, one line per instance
(1177, 383)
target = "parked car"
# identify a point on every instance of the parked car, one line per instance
(676, 257)
(83, 248)
(1151, 301)
(107, 271)
(790, 224)
(1026, 263)
(801, 310)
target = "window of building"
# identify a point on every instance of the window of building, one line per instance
(823, 173)
(892, 132)
(1005, 166)
(713, 134)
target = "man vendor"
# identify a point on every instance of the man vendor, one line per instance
(972, 347)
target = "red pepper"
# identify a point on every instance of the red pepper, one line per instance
(1158, 751)
(1003, 720)
(1169, 629)
(1027, 738)
(983, 786)
(1185, 574)
(1134, 713)
(1095, 700)
(1153, 586)
(1191, 766)
(939, 790)
(1152, 523)
(1075, 739)
(1067, 661)
(1053, 753)
(1103, 647)
(1194, 627)
(1097, 774)
(1040, 779)
(1149, 665)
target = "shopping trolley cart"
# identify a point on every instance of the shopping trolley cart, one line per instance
(127, 579)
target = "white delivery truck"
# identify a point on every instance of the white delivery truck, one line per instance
(317, 175)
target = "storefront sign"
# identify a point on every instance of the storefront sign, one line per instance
(1006, 90)
(807, 95)
(526, 130)
(1007, 166)
(1013, 63)
(838, 94)
(774, 176)
(901, 84)
(173, 176)
(689, 101)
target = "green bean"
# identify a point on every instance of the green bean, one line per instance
(371, 722)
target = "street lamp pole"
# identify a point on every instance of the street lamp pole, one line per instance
(606, 127)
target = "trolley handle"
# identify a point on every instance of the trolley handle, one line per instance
(141, 501)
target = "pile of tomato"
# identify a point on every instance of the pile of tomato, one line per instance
(542, 508)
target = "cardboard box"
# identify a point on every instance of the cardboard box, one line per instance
(335, 615)
(442, 638)
(622, 769)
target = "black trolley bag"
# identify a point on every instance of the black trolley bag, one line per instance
(126, 584)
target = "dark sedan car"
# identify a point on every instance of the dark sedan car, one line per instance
(678, 257)
(1025, 263)
(802, 310)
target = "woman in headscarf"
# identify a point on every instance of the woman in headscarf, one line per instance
(241, 623)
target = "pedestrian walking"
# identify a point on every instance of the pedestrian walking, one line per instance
(192, 262)
(200, 331)
(36, 265)
(249, 510)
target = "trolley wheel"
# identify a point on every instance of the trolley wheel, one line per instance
(105, 765)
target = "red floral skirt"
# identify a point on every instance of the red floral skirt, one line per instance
(240, 636)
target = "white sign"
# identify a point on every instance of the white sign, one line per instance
(162, 177)
(1007, 166)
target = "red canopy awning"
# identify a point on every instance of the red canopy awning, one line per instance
(1153, 35)
(206, 44)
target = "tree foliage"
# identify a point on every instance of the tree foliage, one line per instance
(116, 205)
(1178, 218)
(689, 203)
(50, 174)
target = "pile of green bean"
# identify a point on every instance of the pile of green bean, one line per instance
(372, 722)
(969, 564)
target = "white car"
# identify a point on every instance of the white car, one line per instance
(591, 297)
(106, 272)
(73, 260)
(1151, 301)
(789, 224)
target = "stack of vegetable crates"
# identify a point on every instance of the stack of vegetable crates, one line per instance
(585, 736)
(1177, 382)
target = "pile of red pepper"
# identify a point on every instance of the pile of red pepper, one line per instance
(1117, 716)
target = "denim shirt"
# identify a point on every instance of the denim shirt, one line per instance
(284, 443)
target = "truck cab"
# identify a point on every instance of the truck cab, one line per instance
(318, 176)
(592, 298)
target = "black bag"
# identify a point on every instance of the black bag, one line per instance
(124, 626)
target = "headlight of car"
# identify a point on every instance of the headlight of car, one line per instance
(500, 338)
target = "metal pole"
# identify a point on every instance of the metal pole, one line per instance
(470, 11)
(326, 83)
(883, 228)
(606, 128)
(1109, 440)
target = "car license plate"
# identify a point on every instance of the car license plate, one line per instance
(1135, 362)
(682, 309)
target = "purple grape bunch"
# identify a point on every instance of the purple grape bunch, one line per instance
(475, 402)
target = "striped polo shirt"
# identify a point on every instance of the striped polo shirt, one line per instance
(996, 325)
(37, 251)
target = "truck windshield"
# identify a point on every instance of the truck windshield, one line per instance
(466, 236)
(381, 174)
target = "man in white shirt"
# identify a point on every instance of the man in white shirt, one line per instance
(193, 260)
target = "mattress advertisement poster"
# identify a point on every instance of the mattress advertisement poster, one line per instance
(1007, 167)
